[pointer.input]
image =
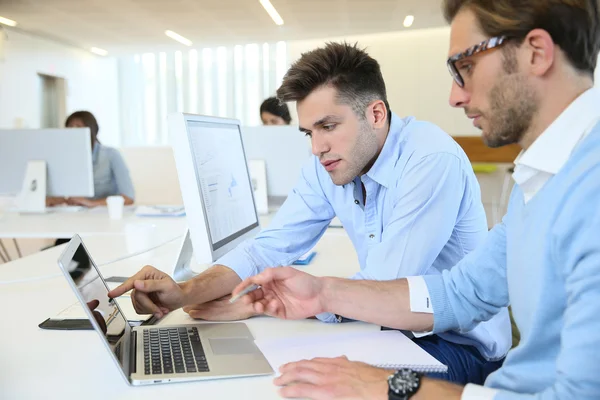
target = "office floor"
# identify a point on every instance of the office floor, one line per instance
(27, 246)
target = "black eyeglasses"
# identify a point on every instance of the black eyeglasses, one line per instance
(478, 48)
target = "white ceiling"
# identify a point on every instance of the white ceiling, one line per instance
(128, 26)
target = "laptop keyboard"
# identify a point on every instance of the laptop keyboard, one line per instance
(173, 351)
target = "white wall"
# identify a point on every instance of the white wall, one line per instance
(414, 67)
(92, 83)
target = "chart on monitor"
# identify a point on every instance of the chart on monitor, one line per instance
(223, 179)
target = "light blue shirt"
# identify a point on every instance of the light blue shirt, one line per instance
(111, 176)
(423, 214)
(544, 259)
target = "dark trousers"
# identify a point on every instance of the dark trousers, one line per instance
(465, 363)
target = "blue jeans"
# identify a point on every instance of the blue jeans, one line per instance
(465, 363)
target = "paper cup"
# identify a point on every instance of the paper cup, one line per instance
(115, 206)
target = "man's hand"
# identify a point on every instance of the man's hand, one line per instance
(154, 292)
(221, 310)
(82, 201)
(333, 378)
(338, 378)
(285, 293)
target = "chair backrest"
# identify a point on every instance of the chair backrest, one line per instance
(478, 152)
(154, 174)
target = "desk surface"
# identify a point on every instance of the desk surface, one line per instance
(86, 223)
(39, 363)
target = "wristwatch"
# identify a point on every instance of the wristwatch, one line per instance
(403, 384)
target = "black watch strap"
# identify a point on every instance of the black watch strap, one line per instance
(403, 384)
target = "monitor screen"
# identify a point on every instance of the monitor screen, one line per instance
(223, 179)
(94, 293)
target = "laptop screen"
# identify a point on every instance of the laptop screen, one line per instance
(94, 292)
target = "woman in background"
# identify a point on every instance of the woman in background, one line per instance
(111, 176)
(274, 113)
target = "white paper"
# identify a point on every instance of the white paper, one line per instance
(387, 349)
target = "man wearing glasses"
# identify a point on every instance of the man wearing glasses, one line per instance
(525, 77)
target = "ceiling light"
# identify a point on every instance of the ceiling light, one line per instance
(178, 38)
(408, 21)
(7, 21)
(100, 52)
(272, 11)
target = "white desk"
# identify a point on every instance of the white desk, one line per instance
(39, 363)
(86, 223)
(103, 249)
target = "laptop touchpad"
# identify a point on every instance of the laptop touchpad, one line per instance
(223, 347)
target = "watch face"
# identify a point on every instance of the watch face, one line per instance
(404, 382)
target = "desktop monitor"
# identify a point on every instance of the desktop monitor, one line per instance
(284, 149)
(215, 183)
(65, 158)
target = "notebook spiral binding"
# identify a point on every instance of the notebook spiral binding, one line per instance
(417, 368)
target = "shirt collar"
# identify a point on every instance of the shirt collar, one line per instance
(381, 171)
(550, 152)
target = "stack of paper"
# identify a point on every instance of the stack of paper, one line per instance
(160, 211)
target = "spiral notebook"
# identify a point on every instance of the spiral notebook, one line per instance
(385, 349)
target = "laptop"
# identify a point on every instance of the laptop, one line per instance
(155, 354)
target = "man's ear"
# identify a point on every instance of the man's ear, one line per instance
(541, 51)
(377, 114)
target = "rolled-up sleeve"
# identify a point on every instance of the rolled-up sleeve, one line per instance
(474, 290)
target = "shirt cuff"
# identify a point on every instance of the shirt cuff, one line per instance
(327, 317)
(476, 392)
(419, 299)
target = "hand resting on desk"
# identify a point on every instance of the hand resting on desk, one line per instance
(221, 310)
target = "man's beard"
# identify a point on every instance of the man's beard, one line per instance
(513, 104)
(359, 157)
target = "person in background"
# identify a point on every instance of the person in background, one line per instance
(272, 112)
(111, 176)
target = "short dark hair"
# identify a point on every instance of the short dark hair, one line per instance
(273, 106)
(350, 70)
(574, 25)
(88, 120)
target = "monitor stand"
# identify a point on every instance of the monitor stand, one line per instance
(183, 270)
(32, 198)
